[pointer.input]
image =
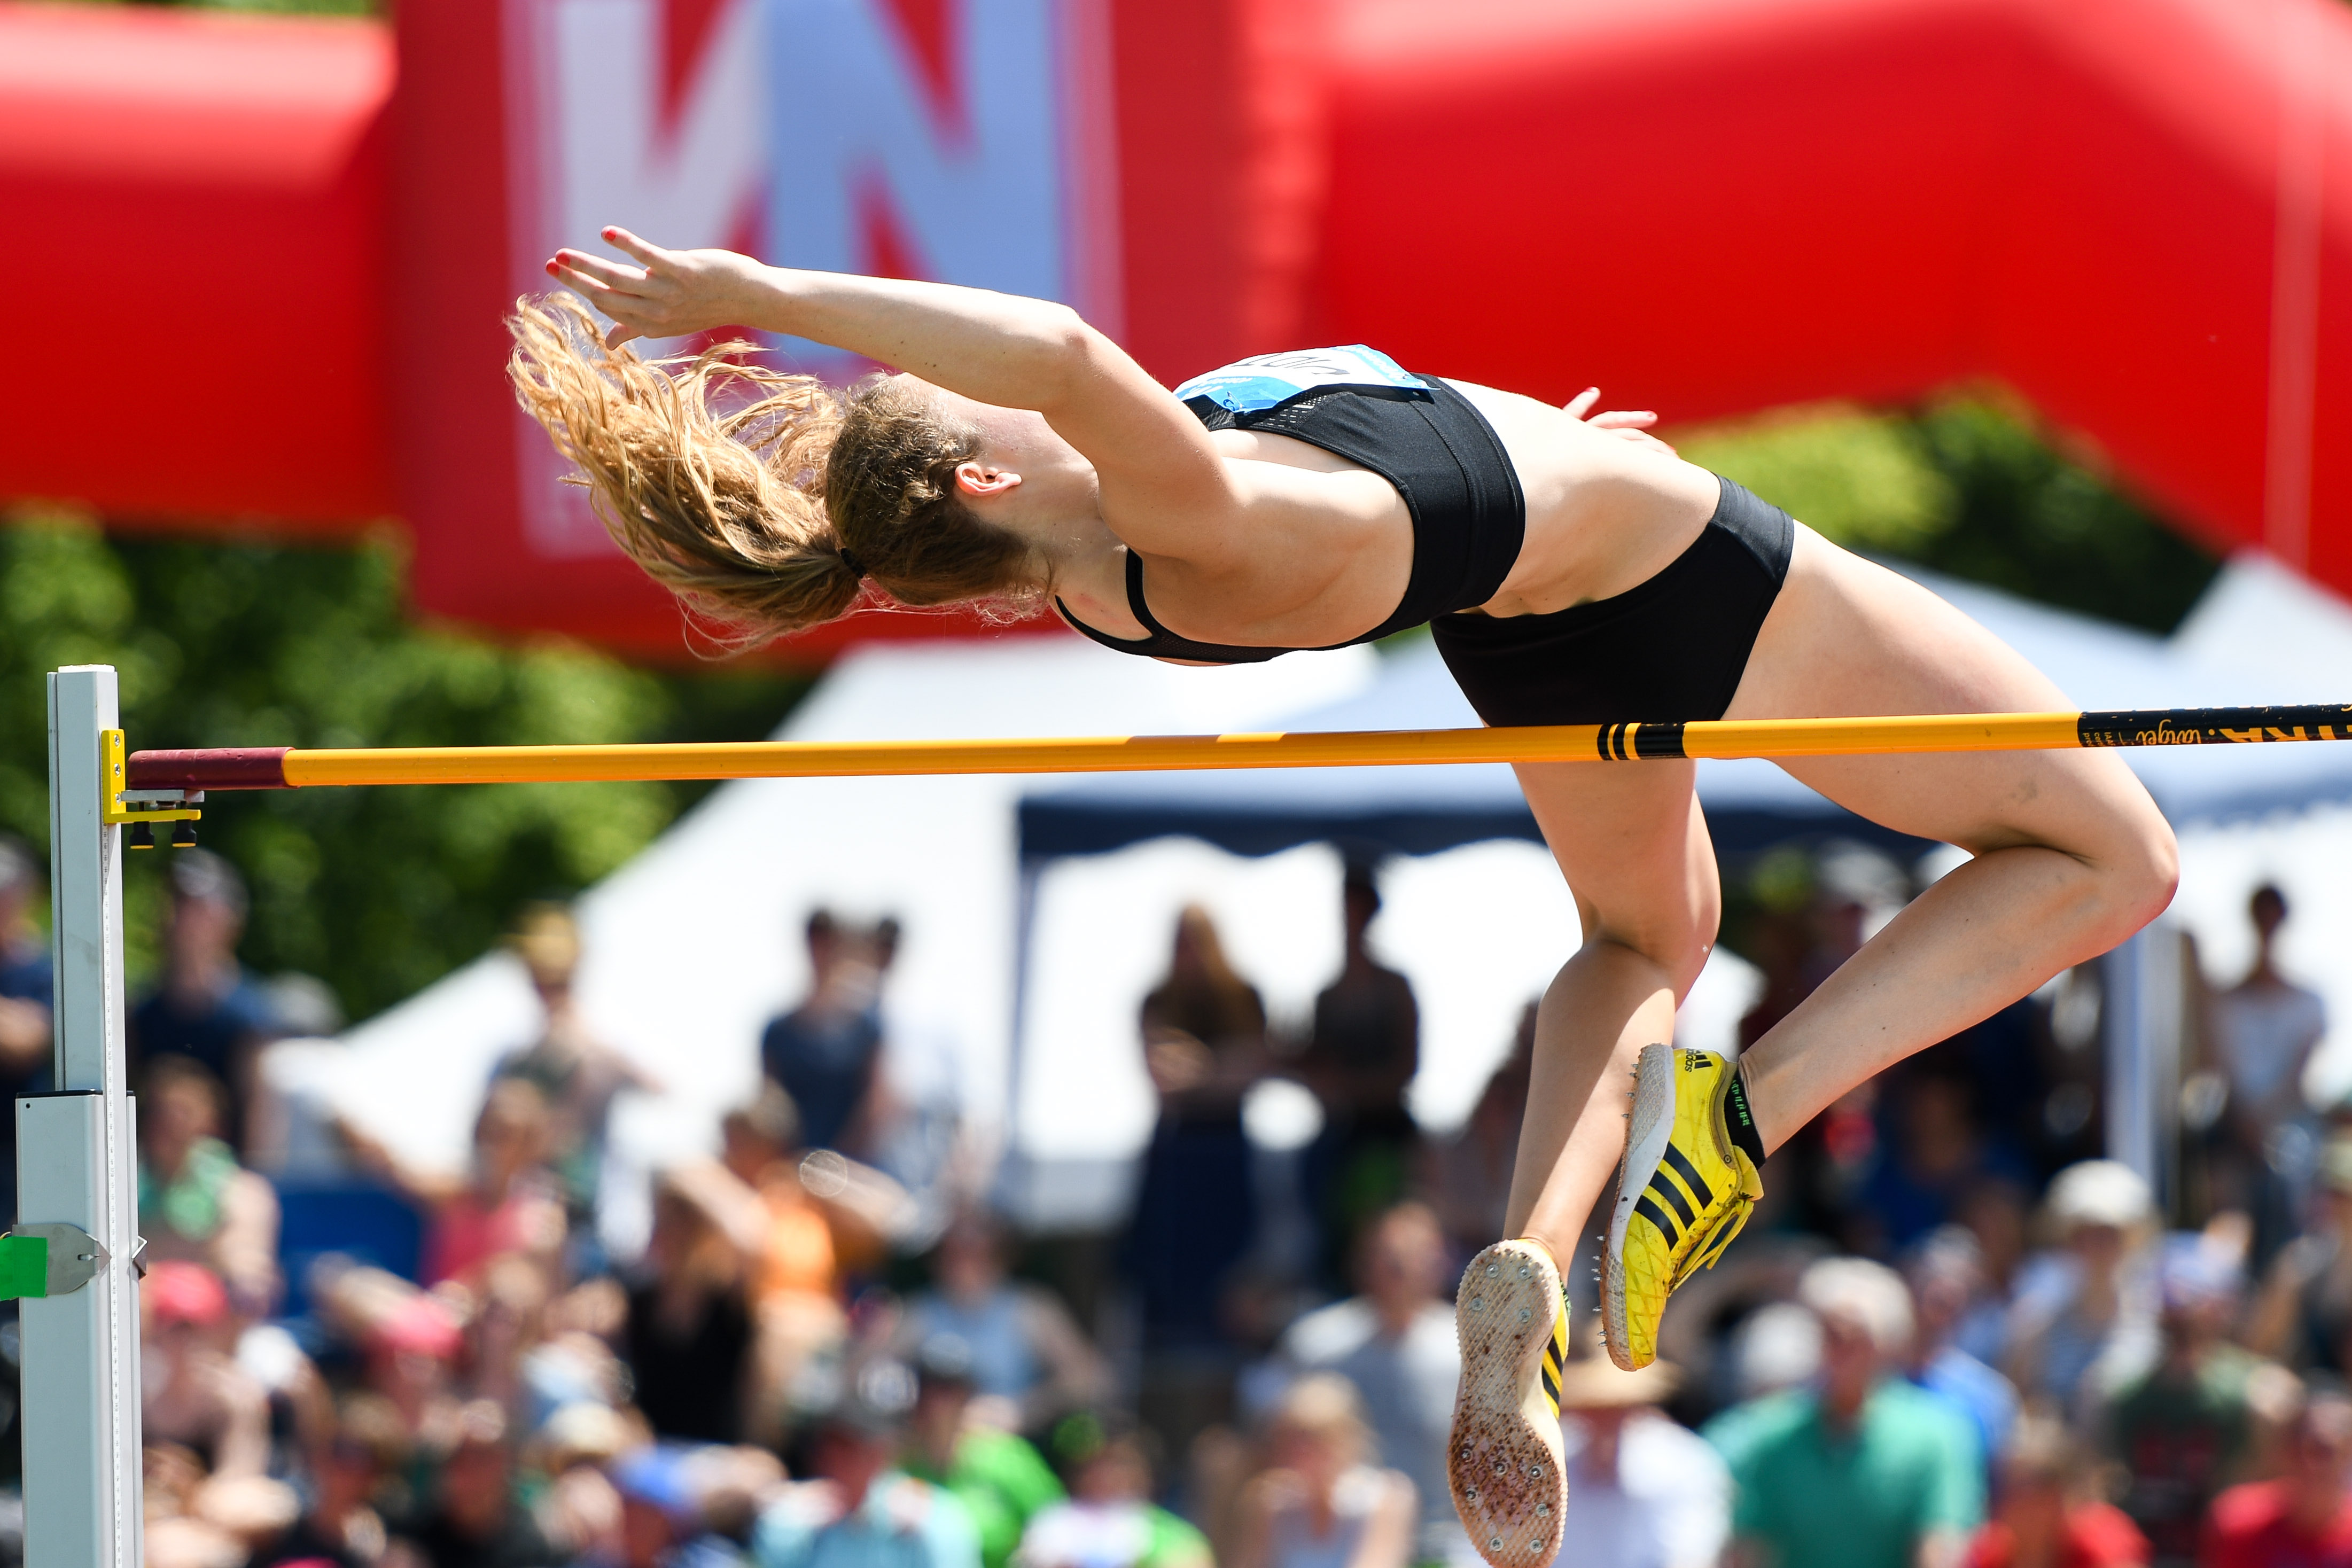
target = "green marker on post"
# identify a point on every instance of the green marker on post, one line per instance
(23, 1267)
(48, 1260)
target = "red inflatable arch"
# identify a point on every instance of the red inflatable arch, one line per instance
(259, 266)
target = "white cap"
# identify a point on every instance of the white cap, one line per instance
(2100, 1192)
(1858, 1291)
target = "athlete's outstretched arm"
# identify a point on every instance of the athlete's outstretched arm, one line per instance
(1163, 485)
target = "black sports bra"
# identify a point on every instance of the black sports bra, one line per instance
(1418, 433)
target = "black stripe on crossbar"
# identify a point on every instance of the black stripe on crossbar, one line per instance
(1691, 1179)
(1628, 742)
(1658, 741)
(1651, 1212)
(2214, 725)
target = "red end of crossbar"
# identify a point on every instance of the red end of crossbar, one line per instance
(230, 768)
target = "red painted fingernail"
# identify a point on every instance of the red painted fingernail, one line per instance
(551, 268)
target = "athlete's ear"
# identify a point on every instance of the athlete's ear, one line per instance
(978, 479)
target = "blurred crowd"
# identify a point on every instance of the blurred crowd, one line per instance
(1956, 1333)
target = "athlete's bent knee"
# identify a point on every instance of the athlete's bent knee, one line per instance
(1677, 959)
(2158, 877)
(2140, 875)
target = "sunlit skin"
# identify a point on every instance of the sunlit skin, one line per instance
(1260, 539)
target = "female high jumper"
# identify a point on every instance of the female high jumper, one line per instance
(1572, 572)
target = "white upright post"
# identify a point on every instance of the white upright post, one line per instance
(2141, 980)
(75, 1165)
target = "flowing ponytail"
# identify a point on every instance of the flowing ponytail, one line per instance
(763, 501)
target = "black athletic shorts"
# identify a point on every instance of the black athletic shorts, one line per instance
(1672, 648)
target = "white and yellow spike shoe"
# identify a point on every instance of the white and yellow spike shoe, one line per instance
(1687, 1186)
(1503, 1460)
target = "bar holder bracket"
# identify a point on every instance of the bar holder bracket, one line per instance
(48, 1260)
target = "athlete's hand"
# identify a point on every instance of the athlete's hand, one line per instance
(1631, 425)
(671, 294)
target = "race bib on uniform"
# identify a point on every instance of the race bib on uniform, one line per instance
(1267, 380)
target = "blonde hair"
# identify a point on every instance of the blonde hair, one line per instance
(1323, 1405)
(764, 501)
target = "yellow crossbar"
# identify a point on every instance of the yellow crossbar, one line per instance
(303, 767)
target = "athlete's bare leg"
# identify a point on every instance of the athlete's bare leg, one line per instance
(1634, 846)
(2071, 857)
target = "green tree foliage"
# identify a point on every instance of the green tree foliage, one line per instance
(1967, 488)
(378, 892)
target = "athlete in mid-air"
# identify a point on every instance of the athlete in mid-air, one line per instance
(1571, 570)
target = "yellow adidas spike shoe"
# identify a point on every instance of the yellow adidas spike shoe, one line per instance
(1505, 1460)
(1686, 1188)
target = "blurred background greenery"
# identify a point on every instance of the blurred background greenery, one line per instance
(1970, 486)
(377, 892)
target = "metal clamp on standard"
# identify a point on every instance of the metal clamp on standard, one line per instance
(137, 812)
(48, 1260)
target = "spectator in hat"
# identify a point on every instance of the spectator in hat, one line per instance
(660, 1525)
(197, 1203)
(1109, 1520)
(472, 1519)
(2050, 1513)
(2090, 1309)
(25, 1001)
(2186, 1427)
(411, 1339)
(1644, 1491)
(207, 1006)
(1862, 1469)
(1000, 1481)
(1323, 1500)
(1395, 1342)
(2304, 1517)
(859, 1511)
(675, 1500)
(577, 1074)
(2304, 1315)
(1361, 1053)
(826, 1053)
(194, 1392)
(1027, 1356)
